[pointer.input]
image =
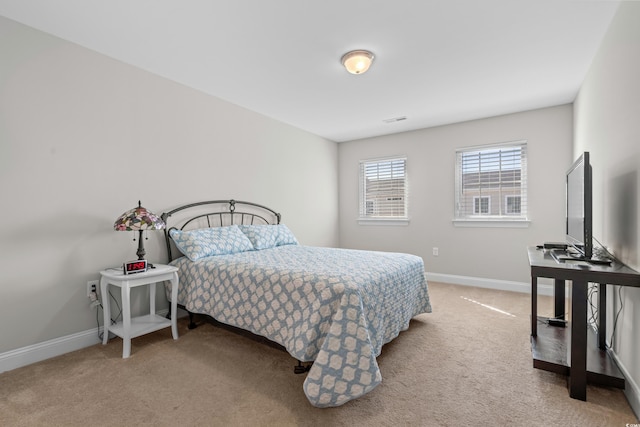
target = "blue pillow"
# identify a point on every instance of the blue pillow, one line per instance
(285, 236)
(269, 236)
(204, 242)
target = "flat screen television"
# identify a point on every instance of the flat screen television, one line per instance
(579, 207)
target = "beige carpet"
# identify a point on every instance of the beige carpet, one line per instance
(464, 364)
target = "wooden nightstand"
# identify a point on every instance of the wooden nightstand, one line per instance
(130, 328)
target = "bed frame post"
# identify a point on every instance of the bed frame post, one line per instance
(301, 369)
(192, 324)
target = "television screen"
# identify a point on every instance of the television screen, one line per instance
(579, 222)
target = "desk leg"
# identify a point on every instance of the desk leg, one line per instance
(534, 306)
(602, 316)
(559, 297)
(174, 306)
(578, 368)
(126, 319)
(106, 309)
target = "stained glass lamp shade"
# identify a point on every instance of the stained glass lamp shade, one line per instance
(139, 219)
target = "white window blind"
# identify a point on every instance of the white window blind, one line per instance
(383, 188)
(491, 182)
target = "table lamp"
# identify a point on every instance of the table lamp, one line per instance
(139, 219)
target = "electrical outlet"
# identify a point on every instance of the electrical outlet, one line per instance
(92, 287)
(436, 252)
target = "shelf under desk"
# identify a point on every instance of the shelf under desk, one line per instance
(551, 352)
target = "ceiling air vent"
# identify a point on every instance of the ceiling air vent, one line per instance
(395, 119)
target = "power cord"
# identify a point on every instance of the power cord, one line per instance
(113, 321)
(608, 254)
(615, 320)
(593, 318)
(119, 309)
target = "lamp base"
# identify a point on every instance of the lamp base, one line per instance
(140, 252)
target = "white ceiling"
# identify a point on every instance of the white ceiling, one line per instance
(437, 61)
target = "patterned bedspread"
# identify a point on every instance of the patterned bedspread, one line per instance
(335, 307)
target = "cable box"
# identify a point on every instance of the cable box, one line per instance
(557, 322)
(555, 245)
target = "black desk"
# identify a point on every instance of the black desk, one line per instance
(565, 350)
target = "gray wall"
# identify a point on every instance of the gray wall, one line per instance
(479, 252)
(84, 137)
(607, 124)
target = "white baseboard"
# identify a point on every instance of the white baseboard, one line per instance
(24, 356)
(503, 285)
(45, 350)
(631, 390)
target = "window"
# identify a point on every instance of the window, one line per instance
(481, 205)
(383, 189)
(491, 183)
(513, 204)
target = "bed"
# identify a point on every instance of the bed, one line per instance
(334, 308)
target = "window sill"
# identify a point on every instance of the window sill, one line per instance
(383, 221)
(492, 223)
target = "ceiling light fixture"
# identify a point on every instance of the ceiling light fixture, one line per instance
(357, 61)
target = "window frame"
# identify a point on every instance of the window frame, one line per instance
(502, 218)
(365, 203)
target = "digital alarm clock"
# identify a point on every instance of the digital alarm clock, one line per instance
(137, 266)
